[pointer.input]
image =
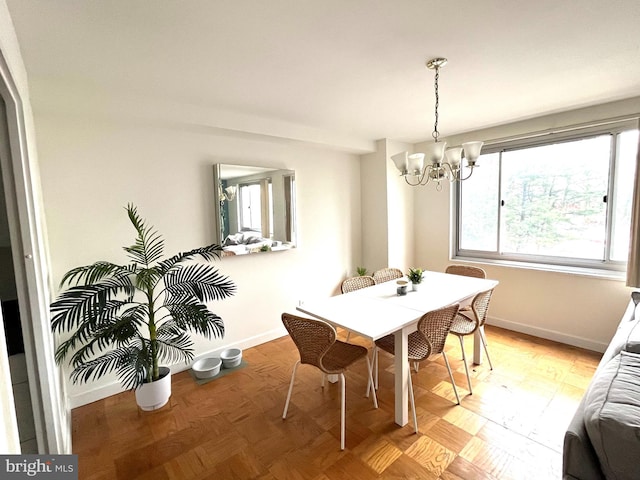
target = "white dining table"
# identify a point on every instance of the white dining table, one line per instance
(377, 311)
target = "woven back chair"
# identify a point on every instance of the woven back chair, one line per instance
(387, 274)
(466, 270)
(468, 322)
(316, 342)
(429, 339)
(356, 283)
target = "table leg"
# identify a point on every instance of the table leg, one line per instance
(401, 372)
(477, 347)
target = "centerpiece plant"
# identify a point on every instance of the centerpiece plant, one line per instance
(415, 277)
(130, 318)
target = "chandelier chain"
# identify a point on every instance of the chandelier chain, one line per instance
(435, 133)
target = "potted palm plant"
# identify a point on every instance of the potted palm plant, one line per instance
(129, 319)
(415, 277)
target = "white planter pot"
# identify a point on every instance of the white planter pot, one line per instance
(415, 286)
(155, 395)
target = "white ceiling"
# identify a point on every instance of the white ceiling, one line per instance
(342, 72)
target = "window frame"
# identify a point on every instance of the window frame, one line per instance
(605, 267)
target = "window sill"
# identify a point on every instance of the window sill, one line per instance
(590, 272)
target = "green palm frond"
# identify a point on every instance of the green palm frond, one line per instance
(202, 281)
(90, 274)
(175, 348)
(135, 366)
(194, 317)
(207, 253)
(86, 330)
(98, 367)
(147, 278)
(88, 303)
(117, 332)
(149, 245)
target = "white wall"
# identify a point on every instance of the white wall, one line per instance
(375, 243)
(91, 168)
(400, 206)
(578, 310)
(387, 210)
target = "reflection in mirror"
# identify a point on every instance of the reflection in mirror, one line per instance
(255, 211)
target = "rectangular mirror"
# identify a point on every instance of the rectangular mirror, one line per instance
(255, 211)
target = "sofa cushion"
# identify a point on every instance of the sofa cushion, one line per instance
(633, 339)
(612, 416)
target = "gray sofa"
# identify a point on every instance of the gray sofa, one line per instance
(603, 438)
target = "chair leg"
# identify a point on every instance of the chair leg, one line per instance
(375, 367)
(413, 402)
(464, 359)
(370, 382)
(373, 382)
(370, 379)
(342, 402)
(324, 379)
(416, 366)
(348, 335)
(484, 344)
(293, 376)
(453, 383)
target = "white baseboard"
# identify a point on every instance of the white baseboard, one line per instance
(549, 334)
(114, 388)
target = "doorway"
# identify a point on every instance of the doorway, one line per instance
(10, 310)
(37, 400)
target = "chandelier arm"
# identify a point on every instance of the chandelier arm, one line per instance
(424, 175)
(406, 179)
(420, 179)
(461, 179)
(451, 174)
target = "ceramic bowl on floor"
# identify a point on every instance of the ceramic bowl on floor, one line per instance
(207, 367)
(231, 357)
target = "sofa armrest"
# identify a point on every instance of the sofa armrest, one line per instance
(579, 460)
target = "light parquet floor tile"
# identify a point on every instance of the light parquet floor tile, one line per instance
(511, 427)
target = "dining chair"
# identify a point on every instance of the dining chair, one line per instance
(466, 270)
(428, 340)
(467, 323)
(317, 344)
(356, 283)
(387, 274)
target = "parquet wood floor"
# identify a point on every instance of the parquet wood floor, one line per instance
(512, 426)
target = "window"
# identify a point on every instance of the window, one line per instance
(250, 211)
(255, 207)
(563, 200)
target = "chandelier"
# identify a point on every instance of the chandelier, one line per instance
(412, 165)
(228, 194)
